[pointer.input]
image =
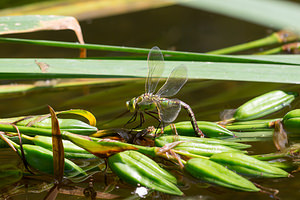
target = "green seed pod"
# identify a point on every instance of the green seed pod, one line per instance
(210, 129)
(215, 173)
(252, 125)
(72, 155)
(71, 150)
(288, 166)
(46, 142)
(291, 121)
(263, 105)
(15, 139)
(134, 168)
(42, 159)
(248, 165)
(164, 139)
(202, 148)
(9, 174)
(71, 125)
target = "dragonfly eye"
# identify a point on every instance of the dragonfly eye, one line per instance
(131, 104)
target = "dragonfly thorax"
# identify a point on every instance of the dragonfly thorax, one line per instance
(143, 102)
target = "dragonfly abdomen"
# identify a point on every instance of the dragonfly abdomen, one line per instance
(193, 118)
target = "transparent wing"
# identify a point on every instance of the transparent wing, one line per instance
(174, 83)
(155, 69)
(168, 110)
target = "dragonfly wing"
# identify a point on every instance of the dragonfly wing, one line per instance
(174, 83)
(168, 110)
(155, 69)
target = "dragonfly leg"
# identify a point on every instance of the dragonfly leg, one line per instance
(151, 114)
(173, 127)
(157, 128)
(132, 119)
(142, 119)
(193, 119)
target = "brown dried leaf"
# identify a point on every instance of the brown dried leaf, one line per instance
(32, 23)
(57, 148)
(280, 138)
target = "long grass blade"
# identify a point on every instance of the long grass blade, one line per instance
(176, 55)
(74, 68)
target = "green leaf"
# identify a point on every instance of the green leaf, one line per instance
(66, 68)
(270, 13)
(88, 115)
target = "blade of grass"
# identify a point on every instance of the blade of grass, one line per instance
(72, 68)
(178, 55)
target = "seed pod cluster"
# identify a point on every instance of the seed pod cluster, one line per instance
(291, 121)
(71, 150)
(213, 172)
(248, 165)
(199, 148)
(263, 105)
(164, 139)
(136, 168)
(42, 159)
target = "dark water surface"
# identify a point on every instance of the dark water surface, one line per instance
(169, 28)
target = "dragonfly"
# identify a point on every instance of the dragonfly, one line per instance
(157, 104)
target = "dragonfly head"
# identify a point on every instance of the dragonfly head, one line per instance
(131, 105)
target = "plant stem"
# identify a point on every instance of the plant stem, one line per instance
(270, 51)
(275, 38)
(189, 154)
(290, 48)
(26, 130)
(248, 127)
(270, 156)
